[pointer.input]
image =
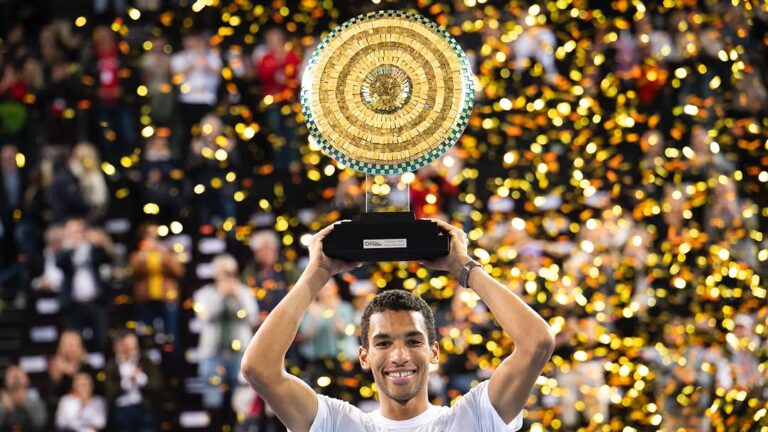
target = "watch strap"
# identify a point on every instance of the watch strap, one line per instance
(464, 275)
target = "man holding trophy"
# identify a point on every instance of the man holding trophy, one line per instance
(385, 93)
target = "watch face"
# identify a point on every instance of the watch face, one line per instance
(387, 92)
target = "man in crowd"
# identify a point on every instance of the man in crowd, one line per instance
(20, 406)
(228, 312)
(84, 293)
(133, 384)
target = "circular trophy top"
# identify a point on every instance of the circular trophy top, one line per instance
(387, 92)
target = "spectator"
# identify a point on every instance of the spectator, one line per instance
(13, 89)
(21, 408)
(326, 333)
(158, 183)
(277, 69)
(60, 95)
(228, 312)
(133, 386)
(265, 272)
(536, 41)
(84, 295)
(156, 272)
(156, 75)
(79, 188)
(11, 191)
(51, 277)
(746, 370)
(81, 410)
(70, 358)
(213, 157)
(117, 128)
(196, 68)
(430, 191)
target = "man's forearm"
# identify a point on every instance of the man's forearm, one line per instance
(266, 352)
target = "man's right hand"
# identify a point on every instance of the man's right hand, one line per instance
(321, 261)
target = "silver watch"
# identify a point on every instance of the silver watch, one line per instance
(464, 275)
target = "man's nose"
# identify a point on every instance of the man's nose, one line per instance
(399, 354)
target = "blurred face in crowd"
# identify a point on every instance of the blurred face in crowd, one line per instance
(674, 333)
(127, 347)
(8, 158)
(16, 378)
(266, 253)
(157, 145)
(700, 140)
(70, 345)
(82, 385)
(159, 43)
(275, 40)
(399, 354)
(149, 235)
(54, 237)
(652, 143)
(74, 232)
(193, 42)
(224, 269)
(87, 156)
(211, 126)
(103, 37)
(329, 292)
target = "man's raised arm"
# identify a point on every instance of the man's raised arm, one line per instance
(294, 402)
(513, 380)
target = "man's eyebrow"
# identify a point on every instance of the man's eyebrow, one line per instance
(414, 333)
(410, 334)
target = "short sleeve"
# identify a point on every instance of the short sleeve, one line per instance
(334, 415)
(322, 421)
(475, 412)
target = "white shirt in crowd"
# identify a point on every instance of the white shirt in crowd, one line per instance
(72, 414)
(84, 285)
(131, 385)
(201, 79)
(473, 413)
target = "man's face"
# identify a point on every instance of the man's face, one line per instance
(75, 231)
(275, 40)
(266, 254)
(15, 378)
(399, 354)
(127, 348)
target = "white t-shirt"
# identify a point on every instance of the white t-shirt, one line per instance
(200, 81)
(473, 413)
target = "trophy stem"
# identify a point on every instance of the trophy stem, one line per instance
(367, 186)
(408, 195)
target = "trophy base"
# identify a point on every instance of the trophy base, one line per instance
(386, 236)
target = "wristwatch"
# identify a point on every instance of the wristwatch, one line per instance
(464, 275)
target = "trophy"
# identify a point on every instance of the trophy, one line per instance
(387, 93)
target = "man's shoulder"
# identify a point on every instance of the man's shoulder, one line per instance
(334, 412)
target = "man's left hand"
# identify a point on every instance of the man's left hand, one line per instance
(457, 256)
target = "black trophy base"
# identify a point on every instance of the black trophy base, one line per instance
(386, 236)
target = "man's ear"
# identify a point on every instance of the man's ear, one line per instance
(362, 354)
(435, 353)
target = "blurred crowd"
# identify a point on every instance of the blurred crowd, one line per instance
(158, 183)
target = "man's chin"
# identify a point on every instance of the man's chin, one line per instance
(401, 397)
(403, 400)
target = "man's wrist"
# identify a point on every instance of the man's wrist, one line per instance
(465, 272)
(459, 264)
(317, 271)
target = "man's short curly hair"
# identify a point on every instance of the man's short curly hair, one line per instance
(397, 300)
